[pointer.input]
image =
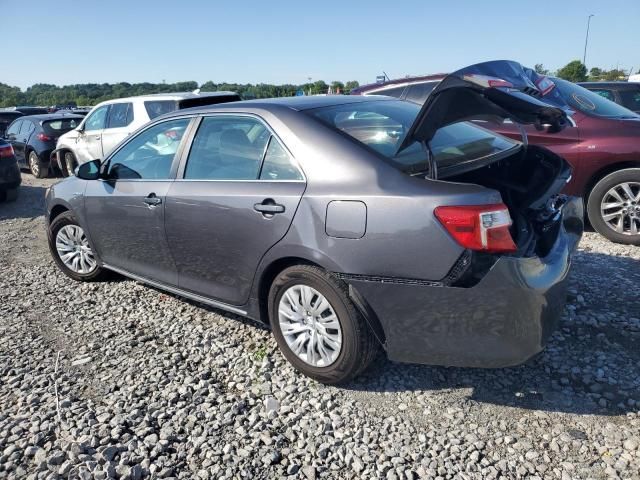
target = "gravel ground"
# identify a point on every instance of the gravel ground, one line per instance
(116, 379)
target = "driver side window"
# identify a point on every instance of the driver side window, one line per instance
(149, 155)
(97, 119)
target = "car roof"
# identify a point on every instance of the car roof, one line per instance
(399, 81)
(619, 85)
(169, 96)
(294, 103)
(50, 116)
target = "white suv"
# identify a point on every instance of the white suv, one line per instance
(108, 123)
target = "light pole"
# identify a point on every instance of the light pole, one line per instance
(584, 57)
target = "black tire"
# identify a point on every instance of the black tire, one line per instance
(596, 197)
(37, 168)
(69, 164)
(359, 345)
(60, 221)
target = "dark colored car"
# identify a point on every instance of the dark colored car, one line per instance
(34, 137)
(346, 223)
(626, 94)
(9, 172)
(602, 143)
(6, 117)
(30, 110)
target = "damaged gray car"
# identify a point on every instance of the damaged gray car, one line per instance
(348, 224)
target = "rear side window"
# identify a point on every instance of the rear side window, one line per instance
(278, 164)
(630, 99)
(155, 108)
(27, 127)
(608, 94)
(419, 92)
(227, 148)
(120, 115)
(63, 125)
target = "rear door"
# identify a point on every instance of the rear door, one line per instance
(89, 140)
(235, 197)
(126, 211)
(117, 126)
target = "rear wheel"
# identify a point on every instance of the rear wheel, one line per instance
(614, 206)
(71, 250)
(317, 327)
(37, 168)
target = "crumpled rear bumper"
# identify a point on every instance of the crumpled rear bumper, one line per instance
(503, 320)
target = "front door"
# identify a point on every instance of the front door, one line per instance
(238, 194)
(125, 212)
(13, 137)
(89, 139)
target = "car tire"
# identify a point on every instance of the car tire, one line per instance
(68, 222)
(68, 164)
(358, 346)
(603, 201)
(37, 168)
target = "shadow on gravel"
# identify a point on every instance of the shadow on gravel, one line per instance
(29, 204)
(590, 366)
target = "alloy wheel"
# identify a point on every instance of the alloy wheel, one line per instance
(310, 325)
(34, 165)
(73, 249)
(620, 208)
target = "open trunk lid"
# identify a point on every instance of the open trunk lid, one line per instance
(498, 89)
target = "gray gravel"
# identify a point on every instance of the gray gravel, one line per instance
(119, 380)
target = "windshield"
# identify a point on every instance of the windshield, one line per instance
(60, 126)
(588, 102)
(382, 126)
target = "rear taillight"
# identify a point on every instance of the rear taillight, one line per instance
(6, 151)
(479, 227)
(44, 137)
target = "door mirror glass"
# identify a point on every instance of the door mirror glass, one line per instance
(89, 170)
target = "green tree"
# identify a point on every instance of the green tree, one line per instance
(350, 85)
(614, 74)
(539, 68)
(574, 71)
(595, 73)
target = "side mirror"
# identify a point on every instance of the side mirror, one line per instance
(89, 170)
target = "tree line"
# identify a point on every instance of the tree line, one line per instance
(92, 93)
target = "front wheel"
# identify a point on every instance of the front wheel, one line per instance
(317, 327)
(37, 168)
(68, 164)
(613, 206)
(71, 250)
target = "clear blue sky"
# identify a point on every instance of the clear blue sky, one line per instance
(65, 42)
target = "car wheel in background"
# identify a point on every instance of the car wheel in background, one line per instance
(317, 327)
(37, 168)
(614, 206)
(71, 250)
(68, 164)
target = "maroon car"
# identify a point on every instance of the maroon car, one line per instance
(602, 142)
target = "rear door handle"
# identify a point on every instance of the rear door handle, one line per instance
(152, 200)
(268, 207)
(97, 137)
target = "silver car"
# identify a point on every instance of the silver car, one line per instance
(348, 224)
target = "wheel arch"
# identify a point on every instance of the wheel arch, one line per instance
(56, 211)
(273, 269)
(603, 172)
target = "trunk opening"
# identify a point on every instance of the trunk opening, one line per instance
(529, 182)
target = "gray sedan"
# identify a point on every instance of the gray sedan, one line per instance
(350, 225)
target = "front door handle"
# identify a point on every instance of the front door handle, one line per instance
(152, 200)
(268, 207)
(97, 137)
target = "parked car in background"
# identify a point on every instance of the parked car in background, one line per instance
(6, 117)
(110, 122)
(34, 137)
(602, 143)
(626, 94)
(31, 110)
(327, 217)
(9, 172)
